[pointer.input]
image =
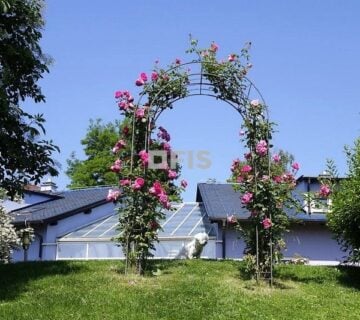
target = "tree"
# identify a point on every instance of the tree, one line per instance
(95, 169)
(344, 214)
(24, 156)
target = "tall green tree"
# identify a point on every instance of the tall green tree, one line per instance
(95, 169)
(24, 156)
(344, 215)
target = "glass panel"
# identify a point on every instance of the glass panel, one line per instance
(171, 248)
(104, 250)
(71, 250)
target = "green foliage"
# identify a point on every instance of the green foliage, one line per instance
(344, 216)
(24, 156)
(183, 290)
(95, 169)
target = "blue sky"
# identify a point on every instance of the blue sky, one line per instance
(306, 65)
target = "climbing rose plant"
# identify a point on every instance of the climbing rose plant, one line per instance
(146, 191)
(265, 181)
(148, 169)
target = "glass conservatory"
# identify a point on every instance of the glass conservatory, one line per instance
(94, 241)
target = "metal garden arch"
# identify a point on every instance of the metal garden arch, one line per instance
(198, 84)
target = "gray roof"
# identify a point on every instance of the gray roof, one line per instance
(221, 201)
(64, 204)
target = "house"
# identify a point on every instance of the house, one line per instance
(308, 237)
(80, 224)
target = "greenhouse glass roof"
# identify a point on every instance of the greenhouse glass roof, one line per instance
(187, 220)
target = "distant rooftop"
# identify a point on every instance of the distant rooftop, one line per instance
(221, 201)
(61, 204)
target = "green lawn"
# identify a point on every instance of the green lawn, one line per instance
(181, 290)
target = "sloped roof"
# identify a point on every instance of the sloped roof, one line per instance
(185, 221)
(65, 203)
(221, 201)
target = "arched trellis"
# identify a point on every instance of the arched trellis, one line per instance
(198, 84)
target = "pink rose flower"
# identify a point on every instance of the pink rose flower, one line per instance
(289, 179)
(246, 169)
(143, 76)
(240, 179)
(261, 148)
(126, 94)
(172, 174)
(118, 146)
(276, 158)
(125, 182)
(214, 47)
(246, 198)
(125, 131)
(163, 197)
(267, 223)
(118, 94)
(138, 184)
(295, 166)
(139, 82)
(156, 189)
(231, 219)
(113, 195)
(235, 164)
(116, 167)
(123, 105)
(232, 57)
(325, 190)
(248, 156)
(166, 146)
(277, 179)
(184, 183)
(164, 200)
(204, 53)
(254, 103)
(154, 76)
(167, 205)
(153, 225)
(144, 156)
(140, 113)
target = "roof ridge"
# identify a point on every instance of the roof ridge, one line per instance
(90, 188)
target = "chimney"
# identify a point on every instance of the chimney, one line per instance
(48, 186)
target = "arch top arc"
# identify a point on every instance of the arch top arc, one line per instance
(198, 84)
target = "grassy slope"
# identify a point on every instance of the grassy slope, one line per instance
(183, 290)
